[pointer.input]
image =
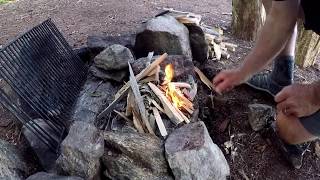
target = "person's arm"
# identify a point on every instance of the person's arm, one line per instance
(280, 24)
(278, 28)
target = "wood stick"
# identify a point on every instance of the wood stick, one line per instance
(149, 68)
(124, 90)
(159, 122)
(203, 78)
(170, 110)
(137, 122)
(156, 105)
(130, 104)
(139, 100)
(181, 85)
(122, 115)
(158, 74)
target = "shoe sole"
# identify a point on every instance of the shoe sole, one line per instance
(260, 89)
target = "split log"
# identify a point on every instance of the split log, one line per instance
(248, 16)
(225, 55)
(230, 45)
(124, 90)
(139, 99)
(170, 110)
(308, 47)
(189, 19)
(159, 122)
(217, 51)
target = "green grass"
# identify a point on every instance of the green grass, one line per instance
(4, 1)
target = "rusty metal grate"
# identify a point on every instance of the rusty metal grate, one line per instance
(46, 75)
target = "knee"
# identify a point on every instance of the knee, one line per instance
(287, 129)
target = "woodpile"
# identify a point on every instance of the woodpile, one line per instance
(218, 48)
(148, 100)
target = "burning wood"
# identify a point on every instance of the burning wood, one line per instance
(145, 99)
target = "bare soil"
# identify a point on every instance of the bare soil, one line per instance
(256, 156)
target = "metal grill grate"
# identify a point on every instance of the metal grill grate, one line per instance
(46, 75)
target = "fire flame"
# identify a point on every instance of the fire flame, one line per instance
(171, 91)
(169, 71)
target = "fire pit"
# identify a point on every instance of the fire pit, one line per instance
(144, 128)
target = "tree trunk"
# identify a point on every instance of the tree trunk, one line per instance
(248, 16)
(307, 48)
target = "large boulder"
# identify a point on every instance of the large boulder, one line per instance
(192, 154)
(12, 164)
(130, 155)
(198, 43)
(163, 34)
(81, 151)
(259, 115)
(49, 176)
(94, 97)
(114, 57)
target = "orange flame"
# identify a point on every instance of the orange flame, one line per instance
(169, 71)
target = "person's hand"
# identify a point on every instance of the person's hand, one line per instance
(228, 79)
(298, 100)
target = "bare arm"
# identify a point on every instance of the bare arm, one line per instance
(277, 30)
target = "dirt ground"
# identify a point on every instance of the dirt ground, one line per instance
(256, 156)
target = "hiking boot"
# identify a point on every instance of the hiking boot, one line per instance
(274, 82)
(292, 153)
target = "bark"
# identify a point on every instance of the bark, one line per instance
(248, 16)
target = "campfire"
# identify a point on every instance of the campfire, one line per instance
(153, 95)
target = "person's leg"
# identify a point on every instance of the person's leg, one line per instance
(291, 130)
(292, 134)
(283, 66)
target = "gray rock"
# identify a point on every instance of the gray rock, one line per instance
(115, 75)
(49, 176)
(130, 155)
(163, 34)
(192, 154)
(98, 43)
(12, 164)
(198, 43)
(46, 156)
(259, 114)
(94, 97)
(81, 151)
(114, 57)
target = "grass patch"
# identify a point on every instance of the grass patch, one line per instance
(5, 1)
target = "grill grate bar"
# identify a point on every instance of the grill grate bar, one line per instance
(46, 75)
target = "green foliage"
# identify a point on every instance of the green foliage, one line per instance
(4, 1)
